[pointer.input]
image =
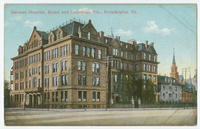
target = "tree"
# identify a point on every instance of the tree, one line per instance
(148, 96)
(6, 93)
(138, 89)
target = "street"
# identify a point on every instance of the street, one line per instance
(101, 117)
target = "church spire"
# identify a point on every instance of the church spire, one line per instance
(173, 62)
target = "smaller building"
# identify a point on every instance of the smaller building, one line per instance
(187, 93)
(169, 90)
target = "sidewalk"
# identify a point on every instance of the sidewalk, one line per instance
(95, 109)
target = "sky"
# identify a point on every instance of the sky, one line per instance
(168, 26)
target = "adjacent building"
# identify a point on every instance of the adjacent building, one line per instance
(170, 90)
(75, 66)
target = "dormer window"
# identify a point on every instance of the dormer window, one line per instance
(59, 35)
(89, 36)
(51, 39)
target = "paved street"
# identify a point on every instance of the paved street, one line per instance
(101, 117)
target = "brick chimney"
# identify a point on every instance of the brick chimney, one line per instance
(152, 44)
(146, 43)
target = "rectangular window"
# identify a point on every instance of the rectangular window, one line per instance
(63, 65)
(83, 66)
(54, 67)
(46, 82)
(98, 96)
(54, 53)
(84, 51)
(79, 96)
(16, 76)
(21, 85)
(66, 95)
(122, 53)
(144, 67)
(84, 96)
(55, 81)
(94, 96)
(39, 82)
(52, 96)
(64, 80)
(149, 57)
(29, 83)
(63, 50)
(115, 51)
(145, 77)
(39, 70)
(144, 56)
(99, 54)
(115, 78)
(95, 67)
(154, 68)
(76, 49)
(34, 82)
(93, 81)
(46, 69)
(93, 52)
(62, 96)
(79, 80)
(21, 75)
(97, 81)
(84, 80)
(79, 65)
(88, 52)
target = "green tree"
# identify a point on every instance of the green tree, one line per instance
(6, 93)
(137, 88)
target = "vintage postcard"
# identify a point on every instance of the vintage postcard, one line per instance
(100, 64)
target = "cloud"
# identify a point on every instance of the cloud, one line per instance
(124, 32)
(32, 23)
(152, 27)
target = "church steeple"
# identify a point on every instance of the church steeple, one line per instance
(174, 69)
(173, 61)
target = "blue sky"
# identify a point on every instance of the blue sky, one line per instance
(169, 26)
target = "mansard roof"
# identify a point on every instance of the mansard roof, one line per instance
(149, 48)
(44, 36)
(70, 29)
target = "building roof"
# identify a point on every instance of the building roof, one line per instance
(149, 48)
(71, 28)
(167, 80)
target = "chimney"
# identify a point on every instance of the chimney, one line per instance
(118, 38)
(101, 34)
(35, 28)
(89, 21)
(146, 43)
(152, 44)
(133, 42)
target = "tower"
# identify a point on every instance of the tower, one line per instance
(174, 69)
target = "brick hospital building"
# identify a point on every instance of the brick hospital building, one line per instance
(76, 66)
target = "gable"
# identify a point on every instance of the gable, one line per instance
(35, 39)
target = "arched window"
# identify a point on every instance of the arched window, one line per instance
(89, 35)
